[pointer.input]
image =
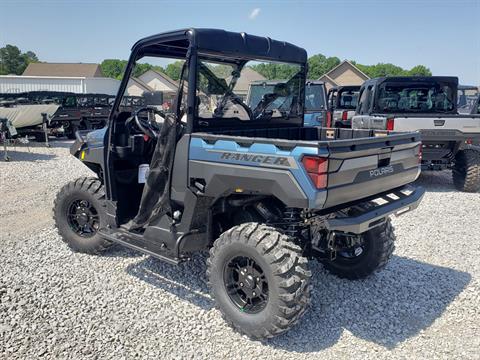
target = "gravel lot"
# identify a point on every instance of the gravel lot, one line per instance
(58, 304)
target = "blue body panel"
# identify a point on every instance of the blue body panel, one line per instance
(202, 151)
(314, 118)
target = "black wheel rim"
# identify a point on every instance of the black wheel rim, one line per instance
(355, 252)
(352, 252)
(83, 218)
(246, 284)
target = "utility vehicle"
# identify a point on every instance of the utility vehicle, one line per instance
(472, 107)
(428, 105)
(342, 102)
(467, 96)
(62, 113)
(256, 188)
(315, 99)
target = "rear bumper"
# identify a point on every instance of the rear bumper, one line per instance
(396, 202)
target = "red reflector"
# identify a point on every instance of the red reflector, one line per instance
(316, 168)
(390, 124)
(329, 119)
(468, 142)
(345, 116)
(146, 138)
(319, 180)
(315, 164)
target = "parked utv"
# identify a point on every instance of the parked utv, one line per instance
(467, 97)
(254, 186)
(315, 99)
(428, 105)
(342, 102)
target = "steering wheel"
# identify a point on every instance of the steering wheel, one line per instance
(148, 126)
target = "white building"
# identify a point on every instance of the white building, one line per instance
(65, 77)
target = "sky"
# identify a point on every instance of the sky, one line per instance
(444, 35)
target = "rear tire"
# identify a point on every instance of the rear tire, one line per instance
(378, 246)
(466, 170)
(79, 212)
(72, 129)
(40, 137)
(280, 271)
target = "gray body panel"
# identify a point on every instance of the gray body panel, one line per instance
(466, 124)
(221, 179)
(358, 167)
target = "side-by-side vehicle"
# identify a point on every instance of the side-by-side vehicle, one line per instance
(315, 99)
(342, 102)
(251, 184)
(429, 105)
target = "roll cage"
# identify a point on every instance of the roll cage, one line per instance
(190, 45)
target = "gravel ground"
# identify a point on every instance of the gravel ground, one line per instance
(58, 304)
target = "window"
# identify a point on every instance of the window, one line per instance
(154, 81)
(222, 88)
(314, 97)
(415, 97)
(348, 99)
(363, 102)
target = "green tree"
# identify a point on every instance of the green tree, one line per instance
(113, 68)
(13, 61)
(381, 69)
(275, 71)
(419, 70)
(320, 64)
(174, 70)
(141, 68)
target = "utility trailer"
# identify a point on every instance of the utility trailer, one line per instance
(254, 186)
(428, 105)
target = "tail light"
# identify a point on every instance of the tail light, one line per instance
(469, 142)
(345, 116)
(316, 168)
(329, 119)
(390, 124)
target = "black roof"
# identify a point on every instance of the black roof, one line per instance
(445, 79)
(274, 82)
(220, 42)
(346, 87)
(467, 87)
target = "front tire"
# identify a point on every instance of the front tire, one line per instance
(79, 212)
(466, 170)
(376, 249)
(259, 280)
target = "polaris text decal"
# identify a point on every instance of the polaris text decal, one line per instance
(381, 171)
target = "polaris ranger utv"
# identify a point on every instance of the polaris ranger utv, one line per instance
(253, 186)
(315, 99)
(428, 105)
(342, 102)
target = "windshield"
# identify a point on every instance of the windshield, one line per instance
(314, 97)
(222, 90)
(415, 97)
(347, 99)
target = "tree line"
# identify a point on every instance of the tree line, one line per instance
(14, 61)
(317, 66)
